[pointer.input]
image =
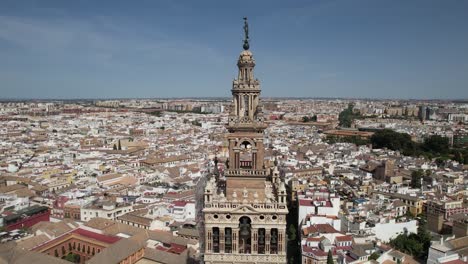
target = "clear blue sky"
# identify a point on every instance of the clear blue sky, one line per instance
(156, 48)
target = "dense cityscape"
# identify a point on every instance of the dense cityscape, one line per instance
(241, 179)
(125, 175)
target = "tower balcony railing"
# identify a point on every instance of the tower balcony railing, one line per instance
(257, 121)
(250, 258)
(246, 172)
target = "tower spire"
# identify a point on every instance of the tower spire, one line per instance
(246, 34)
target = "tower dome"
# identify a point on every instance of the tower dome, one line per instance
(246, 59)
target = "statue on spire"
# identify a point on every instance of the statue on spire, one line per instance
(246, 33)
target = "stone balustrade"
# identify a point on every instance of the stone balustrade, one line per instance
(246, 172)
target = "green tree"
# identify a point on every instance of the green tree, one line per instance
(155, 113)
(436, 144)
(292, 232)
(416, 245)
(390, 139)
(416, 177)
(330, 257)
(374, 256)
(119, 147)
(115, 147)
(440, 161)
(458, 156)
(75, 258)
(346, 116)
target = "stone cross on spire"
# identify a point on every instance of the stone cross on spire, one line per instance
(246, 34)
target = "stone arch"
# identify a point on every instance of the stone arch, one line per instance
(246, 159)
(242, 140)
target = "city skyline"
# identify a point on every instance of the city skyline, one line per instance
(324, 49)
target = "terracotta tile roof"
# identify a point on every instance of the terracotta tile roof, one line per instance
(117, 252)
(11, 188)
(343, 238)
(190, 232)
(96, 236)
(131, 217)
(164, 257)
(83, 233)
(320, 228)
(179, 203)
(109, 177)
(99, 223)
(29, 243)
(458, 243)
(54, 229)
(10, 254)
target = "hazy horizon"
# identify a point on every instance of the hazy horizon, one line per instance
(229, 98)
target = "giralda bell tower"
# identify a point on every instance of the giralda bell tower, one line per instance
(245, 209)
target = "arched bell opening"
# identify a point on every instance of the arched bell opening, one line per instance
(274, 241)
(261, 240)
(245, 235)
(215, 239)
(228, 240)
(246, 155)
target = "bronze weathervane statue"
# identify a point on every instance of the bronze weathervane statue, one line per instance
(246, 32)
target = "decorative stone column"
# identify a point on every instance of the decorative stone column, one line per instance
(235, 245)
(236, 159)
(254, 160)
(250, 106)
(221, 239)
(254, 240)
(235, 105)
(208, 240)
(281, 242)
(267, 240)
